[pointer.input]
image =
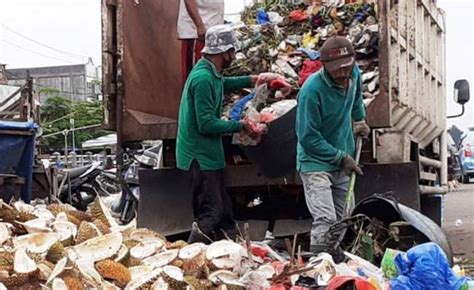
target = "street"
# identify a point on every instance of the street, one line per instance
(459, 206)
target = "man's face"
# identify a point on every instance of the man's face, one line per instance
(341, 75)
(228, 57)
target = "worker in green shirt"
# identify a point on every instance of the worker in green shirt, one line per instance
(330, 111)
(199, 148)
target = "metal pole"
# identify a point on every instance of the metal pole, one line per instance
(71, 121)
(65, 132)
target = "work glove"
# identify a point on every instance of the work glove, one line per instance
(267, 78)
(349, 165)
(361, 128)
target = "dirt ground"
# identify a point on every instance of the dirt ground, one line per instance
(459, 224)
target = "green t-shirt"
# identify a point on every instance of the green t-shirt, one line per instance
(324, 121)
(200, 126)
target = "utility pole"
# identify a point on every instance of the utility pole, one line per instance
(71, 121)
(65, 133)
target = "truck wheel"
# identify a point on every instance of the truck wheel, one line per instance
(465, 179)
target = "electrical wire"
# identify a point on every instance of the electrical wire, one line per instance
(35, 52)
(48, 87)
(45, 45)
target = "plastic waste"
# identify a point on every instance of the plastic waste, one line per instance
(236, 110)
(275, 18)
(312, 54)
(309, 67)
(310, 40)
(345, 282)
(298, 15)
(425, 267)
(262, 16)
(388, 263)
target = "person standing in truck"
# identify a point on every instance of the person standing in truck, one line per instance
(330, 111)
(194, 18)
(199, 148)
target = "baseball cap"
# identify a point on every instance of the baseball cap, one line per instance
(219, 39)
(337, 52)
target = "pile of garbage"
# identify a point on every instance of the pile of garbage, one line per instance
(284, 38)
(57, 247)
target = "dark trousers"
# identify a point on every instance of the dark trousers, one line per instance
(212, 206)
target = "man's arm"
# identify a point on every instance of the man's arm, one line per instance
(308, 125)
(237, 83)
(358, 109)
(193, 11)
(205, 104)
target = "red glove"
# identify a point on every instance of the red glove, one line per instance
(279, 83)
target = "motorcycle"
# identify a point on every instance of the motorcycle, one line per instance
(79, 186)
(134, 160)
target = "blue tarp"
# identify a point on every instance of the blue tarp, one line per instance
(17, 153)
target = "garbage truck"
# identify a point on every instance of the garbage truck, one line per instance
(405, 156)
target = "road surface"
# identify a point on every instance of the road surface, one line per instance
(459, 224)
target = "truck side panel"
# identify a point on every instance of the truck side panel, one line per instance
(416, 69)
(149, 67)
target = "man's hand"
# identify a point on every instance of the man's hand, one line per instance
(361, 129)
(253, 130)
(349, 165)
(201, 32)
(267, 78)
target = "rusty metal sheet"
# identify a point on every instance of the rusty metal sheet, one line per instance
(378, 112)
(150, 69)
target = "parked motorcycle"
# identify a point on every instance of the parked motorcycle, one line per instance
(78, 186)
(135, 160)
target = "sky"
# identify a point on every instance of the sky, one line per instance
(59, 32)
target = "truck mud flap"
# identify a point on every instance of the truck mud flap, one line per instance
(389, 211)
(165, 201)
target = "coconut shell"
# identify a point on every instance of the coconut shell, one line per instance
(80, 215)
(103, 227)
(20, 281)
(97, 212)
(197, 284)
(131, 243)
(176, 245)
(175, 280)
(145, 281)
(73, 283)
(86, 231)
(73, 219)
(55, 253)
(110, 269)
(56, 208)
(195, 266)
(131, 262)
(6, 259)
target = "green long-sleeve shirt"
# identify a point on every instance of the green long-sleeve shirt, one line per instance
(324, 121)
(200, 126)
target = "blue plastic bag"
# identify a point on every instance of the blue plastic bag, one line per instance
(425, 267)
(262, 16)
(237, 108)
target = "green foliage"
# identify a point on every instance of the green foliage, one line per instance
(56, 113)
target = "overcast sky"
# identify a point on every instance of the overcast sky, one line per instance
(69, 31)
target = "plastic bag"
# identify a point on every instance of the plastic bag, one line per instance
(425, 267)
(262, 16)
(236, 110)
(388, 263)
(341, 282)
(309, 67)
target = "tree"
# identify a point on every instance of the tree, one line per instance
(56, 113)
